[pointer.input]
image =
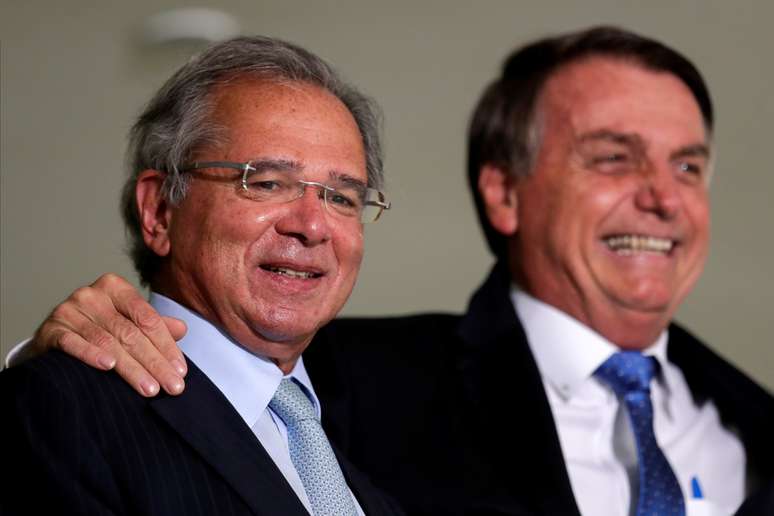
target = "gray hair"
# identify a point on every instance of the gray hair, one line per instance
(178, 120)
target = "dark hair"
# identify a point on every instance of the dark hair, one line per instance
(502, 131)
(178, 120)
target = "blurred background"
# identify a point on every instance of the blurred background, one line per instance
(74, 74)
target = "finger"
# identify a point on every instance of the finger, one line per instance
(151, 324)
(87, 326)
(75, 345)
(58, 331)
(128, 368)
(176, 327)
(137, 376)
(143, 333)
(140, 355)
(91, 313)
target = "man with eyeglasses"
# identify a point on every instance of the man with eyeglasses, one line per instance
(565, 389)
(252, 172)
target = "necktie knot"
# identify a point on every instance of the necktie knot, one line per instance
(291, 404)
(628, 372)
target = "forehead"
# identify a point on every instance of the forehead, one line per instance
(621, 95)
(292, 121)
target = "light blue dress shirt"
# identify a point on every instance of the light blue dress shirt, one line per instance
(248, 381)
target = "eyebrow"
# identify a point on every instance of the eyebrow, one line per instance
(282, 165)
(347, 179)
(612, 136)
(697, 149)
(693, 150)
(287, 165)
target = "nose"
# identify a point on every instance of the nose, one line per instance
(659, 193)
(306, 219)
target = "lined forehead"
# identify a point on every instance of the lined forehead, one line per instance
(601, 89)
(255, 112)
(275, 94)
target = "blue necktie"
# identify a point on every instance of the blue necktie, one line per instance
(311, 452)
(629, 374)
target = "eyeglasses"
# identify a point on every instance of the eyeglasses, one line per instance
(348, 199)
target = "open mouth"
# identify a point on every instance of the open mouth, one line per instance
(626, 245)
(293, 273)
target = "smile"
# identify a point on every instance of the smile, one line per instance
(287, 271)
(629, 244)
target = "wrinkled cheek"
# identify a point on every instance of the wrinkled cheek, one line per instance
(351, 250)
(350, 276)
(351, 265)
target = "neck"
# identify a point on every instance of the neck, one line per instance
(284, 353)
(625, 327)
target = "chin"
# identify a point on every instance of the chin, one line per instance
(648, 303)
(286, 325)
(648, 294)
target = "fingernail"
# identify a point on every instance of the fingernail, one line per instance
(150, 388)
(106, 362)
(175, 386)
(179, 367)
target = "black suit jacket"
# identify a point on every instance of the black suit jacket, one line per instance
(449, 413)
(759, 503)
(79, 441)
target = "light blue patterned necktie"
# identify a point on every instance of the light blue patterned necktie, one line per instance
(629, 374)
(311, 452)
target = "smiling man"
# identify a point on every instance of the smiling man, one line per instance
(276, 261)
(591, 159)
(252, 172)
(566, 388)
(611, 225)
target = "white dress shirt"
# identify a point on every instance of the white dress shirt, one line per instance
(597, 442)
(248, 381)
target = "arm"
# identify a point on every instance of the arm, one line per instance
(109, 325)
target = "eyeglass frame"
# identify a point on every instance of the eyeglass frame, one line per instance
(246, 168)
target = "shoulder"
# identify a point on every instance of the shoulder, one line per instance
(417, 322)
(58, 380)
(416, 351)
(50, 369)
(760, 502)
(740, 400)
(385, 342)
(426, 329)
(709, 372)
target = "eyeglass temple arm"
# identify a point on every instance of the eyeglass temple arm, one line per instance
(381, 204)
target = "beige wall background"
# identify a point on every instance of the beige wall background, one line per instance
(73, 76)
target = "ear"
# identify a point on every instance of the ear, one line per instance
(498, 190)
(154, 211)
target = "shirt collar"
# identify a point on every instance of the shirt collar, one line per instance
(567, 352)
(247, 380)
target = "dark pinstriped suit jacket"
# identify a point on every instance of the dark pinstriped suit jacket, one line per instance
(84, 443)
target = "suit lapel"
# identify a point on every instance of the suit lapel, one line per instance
(371, 500)
(208, 423)
(522, 463)
(742, 404)
(324, 362)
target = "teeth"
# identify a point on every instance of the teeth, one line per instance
(626, 245)
(293, 273)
